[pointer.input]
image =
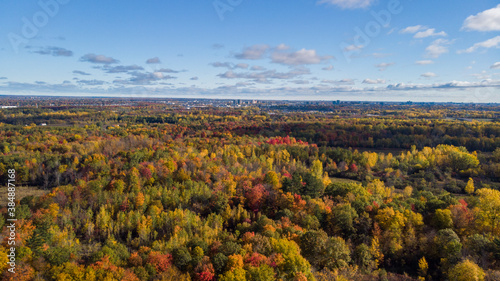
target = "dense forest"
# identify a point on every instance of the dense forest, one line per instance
(150, 191)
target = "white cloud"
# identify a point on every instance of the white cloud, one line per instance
(421, 31)
(79, 72)
(428, 33)
(300, 82)
(168, 70)
(257, 68)
(241, 65)
(449, 85)
(488, 20)
(230, 65)
(93, 82)
(348, 4)
(482, 76)
(154, 60)
(346, 81)
(328, 68)
(279, 54)
(428, 75)
(143, 78)
(496, 65)
(351, 48)
(264, 76)
(254, 52)
(282, 47)
(383, 66)
(122, 68)
(424, 62)
(158, 75)
(93, 58)
(300, 57)
(55, 51)
(437, 48)
(371, 81)
(413, 29)
(490, 43)
(221, 64)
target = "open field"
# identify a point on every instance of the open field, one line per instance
(21, 192)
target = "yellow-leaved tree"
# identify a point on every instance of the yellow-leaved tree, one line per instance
(423, 266)
(470, 186)
(489, 209)
(466, 271)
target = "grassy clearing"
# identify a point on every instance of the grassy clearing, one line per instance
(342, 180)
(21, 192)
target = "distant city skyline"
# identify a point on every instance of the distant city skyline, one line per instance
(373, 50)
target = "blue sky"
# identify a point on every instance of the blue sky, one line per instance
(382, 50)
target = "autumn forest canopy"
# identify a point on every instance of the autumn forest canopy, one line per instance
(146, 190)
